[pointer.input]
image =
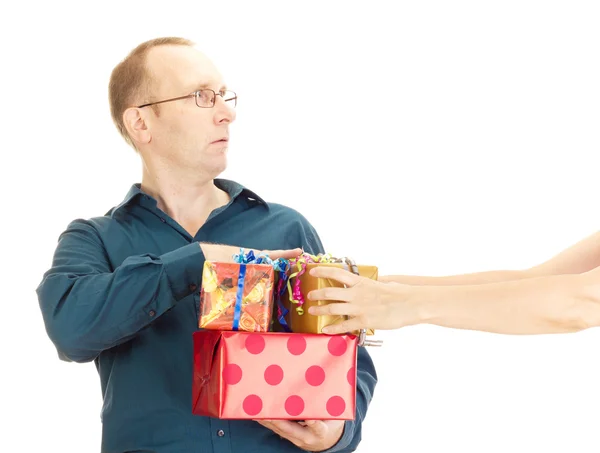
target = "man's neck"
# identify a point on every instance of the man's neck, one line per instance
(187, 199)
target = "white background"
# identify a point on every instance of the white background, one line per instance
(426, 137)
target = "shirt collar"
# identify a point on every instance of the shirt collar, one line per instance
(234, 189)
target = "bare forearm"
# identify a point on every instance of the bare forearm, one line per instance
(464, 279)
(552, 304)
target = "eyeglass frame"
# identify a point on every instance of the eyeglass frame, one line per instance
(195, 95)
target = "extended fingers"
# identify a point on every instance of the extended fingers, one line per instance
(341, 275)
(330, 293)
(341, 309)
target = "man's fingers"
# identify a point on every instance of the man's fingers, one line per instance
(290, 430)
(341, 275)
(340, 309)
(274, 428)
(285, 254)
(345, 326)
(317, 427)
(266, 424)
(310, 435)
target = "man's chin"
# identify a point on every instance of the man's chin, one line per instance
(220, 167)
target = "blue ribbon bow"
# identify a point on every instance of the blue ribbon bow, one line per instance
(280, 265)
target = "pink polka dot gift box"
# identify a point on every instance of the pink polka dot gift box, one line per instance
(274, 375)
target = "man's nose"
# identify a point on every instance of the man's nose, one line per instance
(224, 113)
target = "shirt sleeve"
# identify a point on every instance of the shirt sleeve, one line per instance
(87, 307)
(366, 373)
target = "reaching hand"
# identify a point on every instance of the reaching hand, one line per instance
(368, 303)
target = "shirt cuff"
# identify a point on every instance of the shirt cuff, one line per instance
(184, 267)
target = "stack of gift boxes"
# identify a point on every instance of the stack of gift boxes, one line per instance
(258, 354)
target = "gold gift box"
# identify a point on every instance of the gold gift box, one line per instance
(305, 322)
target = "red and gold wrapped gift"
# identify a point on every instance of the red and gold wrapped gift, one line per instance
(236, 296)
(300, 283)
(273, 375)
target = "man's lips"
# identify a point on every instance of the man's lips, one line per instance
(221, 140)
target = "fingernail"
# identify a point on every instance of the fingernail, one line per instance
(325, 330)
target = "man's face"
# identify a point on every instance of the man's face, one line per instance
(183, 134)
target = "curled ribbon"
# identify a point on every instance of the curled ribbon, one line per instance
(251, 258)
(300, 263)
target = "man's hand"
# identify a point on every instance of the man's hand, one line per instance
(310, 435)
(285, 254)
(369, 304)
(225, 253)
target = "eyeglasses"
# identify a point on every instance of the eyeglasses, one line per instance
(205, 98)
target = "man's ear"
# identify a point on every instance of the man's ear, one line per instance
(136, 126)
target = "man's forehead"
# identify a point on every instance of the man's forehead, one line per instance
(183, 68)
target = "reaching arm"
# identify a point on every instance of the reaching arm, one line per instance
(541, 305)
(463, 279)
(580, 257)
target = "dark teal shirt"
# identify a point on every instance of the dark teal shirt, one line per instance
(123, 291)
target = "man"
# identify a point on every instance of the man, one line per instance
(123, 289)
(558, 296)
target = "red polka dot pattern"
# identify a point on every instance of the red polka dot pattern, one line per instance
(232, 374)
(255, 344)
(273, 374)
(289, 376)
(337, 346)
(252, 405)
(336, 406)
(294, 405)
(351, 376)
(315, 375)
(296, 344)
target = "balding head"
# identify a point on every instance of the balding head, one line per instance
(131, 83)
(179, 70)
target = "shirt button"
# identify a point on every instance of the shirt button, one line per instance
(220, 433)
(193, 287)
(152, 313)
